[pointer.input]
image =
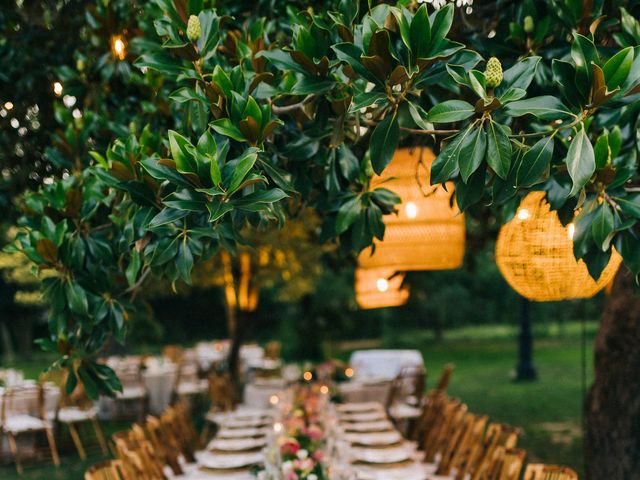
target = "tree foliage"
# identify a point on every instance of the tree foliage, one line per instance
(273, 113)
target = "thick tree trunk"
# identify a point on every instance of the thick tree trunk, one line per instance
(612, 443)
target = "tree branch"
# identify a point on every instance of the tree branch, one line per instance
(290, 108)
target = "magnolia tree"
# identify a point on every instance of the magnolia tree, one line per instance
(297, 109)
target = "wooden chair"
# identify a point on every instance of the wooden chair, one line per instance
(445, 377)
(164, 443)
(223, 397)
(138, 459)
(109, 470)
(73, 411)
(497, 435)
(23, 413)
(506, 464)
(460, 451)
(405, 398)
(538, 471)
(439, 439)
(175, 422)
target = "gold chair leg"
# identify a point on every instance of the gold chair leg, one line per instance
(13, 446)
(52, 447)
(77, 441)
(100, 436)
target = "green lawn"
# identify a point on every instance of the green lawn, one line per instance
(548, 410)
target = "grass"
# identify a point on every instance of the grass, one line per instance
(548, 409)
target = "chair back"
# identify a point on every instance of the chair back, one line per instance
(164, 443)
(445, 377)
(461, 449)
(538, 471)
(222, 392)
(445, 430)
(23, 400)
(272, 350)
(409, 383)
(109, 470)
(498, 435)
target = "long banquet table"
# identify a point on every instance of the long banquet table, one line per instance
(311, 439)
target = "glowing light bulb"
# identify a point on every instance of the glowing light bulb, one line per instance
(57, 88)
(324, 389)
(571, 231)
(348, 372)
(307, 376)
(274, 399)
(411, 209)
(524, 214)
(382, 284)
(8, 105)
(277, 427)
(118, 47)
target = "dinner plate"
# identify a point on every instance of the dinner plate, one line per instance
(227, 461)
(402, 472)
(236, 444)
(381, 456)
(377, 426)
(363, 417)
(245, 422)
(374, 439)
(240, 432)
(359, 407)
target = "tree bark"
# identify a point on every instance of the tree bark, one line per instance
(612, 442)
(237, 337)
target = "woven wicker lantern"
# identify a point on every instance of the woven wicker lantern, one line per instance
(379, 288)
(428, 231)
(534, 253)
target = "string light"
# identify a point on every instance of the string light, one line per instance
(118, 47)
(524, 214)
(324, 389)
(274, 399)
(57, 88)
(307, 376)
(348, 372)
(8, 105)
(411, 209)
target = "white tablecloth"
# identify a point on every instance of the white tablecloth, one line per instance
(358, 392)
(159, 383)
(383, 364)
(258, 394)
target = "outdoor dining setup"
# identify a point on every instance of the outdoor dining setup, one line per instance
(306, 431)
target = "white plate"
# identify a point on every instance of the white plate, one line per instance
(240, 432)
(377, 426)
(245, 422)
(236, 444)
(359, 407)
(410, 472)
(363, 417)
(387, 455)
(374, 439)
(227, 461)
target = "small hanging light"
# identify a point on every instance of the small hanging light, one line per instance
(379, 288)
(534, 253)
(428, 232)
(57, 88)
(118, 47)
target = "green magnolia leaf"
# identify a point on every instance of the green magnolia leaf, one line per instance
(182, 155)
(580, 161)
(244, 163)
(602, 226)
(348, 213)
(217, 209)
(628, 245)
(477, 82)
(602, 151)
(167, 216)
(420, 33)
(535, 163)
(450, 111)
(184, 261)
(618, 67)
(629, 205)
(470, 193)
(224, 127)
(133, 268)
(583, 53)
(260, 197)
(445, 165)
(511, 95)
(545, 108)
(472, 153)
(520, 75)
(186, 94)
(351, 54)
(498, 148)
(384, 141)
(77, 298)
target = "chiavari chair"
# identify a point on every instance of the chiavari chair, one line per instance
(22, 413)
(497, 435)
